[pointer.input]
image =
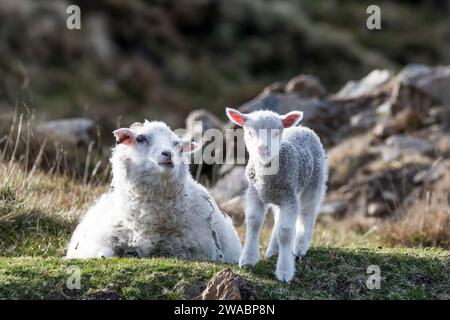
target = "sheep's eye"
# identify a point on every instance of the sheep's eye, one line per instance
(251, 133)
(275, 133)
(141, 139)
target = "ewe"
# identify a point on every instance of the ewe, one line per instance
(287, 169)
(154, 206)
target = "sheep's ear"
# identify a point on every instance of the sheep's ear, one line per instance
(291, 119)
(236, 117)
(189, 147)
(124, 135)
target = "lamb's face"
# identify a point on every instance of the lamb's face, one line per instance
(151, 150)
(263, 131)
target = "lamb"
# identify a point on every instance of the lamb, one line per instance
(154, 206)
(294, 190)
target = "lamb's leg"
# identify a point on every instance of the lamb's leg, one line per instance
(285, 234)
(254, 218)
(272, 248)
(305, 224)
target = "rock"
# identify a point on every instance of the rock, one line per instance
(71, 130)
(407, 120)
(439, 114)
(356, 89)
(385, 129)
(376, 209)
(400, 145)
(364, 120)
(235, 208)
(198, 121)
(276, 87)
(306, 86)
(335, 208)
(434, 173)
(223, 286)
(232, 185)
(418, 87)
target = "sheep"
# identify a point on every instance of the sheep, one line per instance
(154, 207)
(294, 191)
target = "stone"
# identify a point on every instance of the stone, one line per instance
(385, 129)
(335, 208)
(70, 130)
(400, 145)
(306, 86)
(376, 209)
(223, 286)
(231, 185)
(371, 82)
(364, 120)
(436, 171)
(207, 121)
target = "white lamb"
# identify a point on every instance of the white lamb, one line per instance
(287, 169)
(154, 206)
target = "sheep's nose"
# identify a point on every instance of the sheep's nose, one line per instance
(167, 154)
(262, 148)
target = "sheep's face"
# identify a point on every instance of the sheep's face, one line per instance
(151, 149)
(263, 131)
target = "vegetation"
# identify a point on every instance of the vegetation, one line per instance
(38, 213)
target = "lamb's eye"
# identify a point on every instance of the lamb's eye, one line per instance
(275, 133)
(141, 139)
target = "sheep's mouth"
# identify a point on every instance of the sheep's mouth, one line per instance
(167, 164)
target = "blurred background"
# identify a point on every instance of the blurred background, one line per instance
(379, 99)
(161, 59)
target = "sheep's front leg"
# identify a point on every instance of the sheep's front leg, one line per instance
(254, 218)
(285, 234)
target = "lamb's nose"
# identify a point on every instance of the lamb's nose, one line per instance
(167, 154)
(262, 148)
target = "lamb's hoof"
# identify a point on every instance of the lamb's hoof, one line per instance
(248, 263)
(285, 275)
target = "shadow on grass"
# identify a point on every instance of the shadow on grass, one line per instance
(32, 232)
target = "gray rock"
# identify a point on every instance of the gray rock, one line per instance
(356, 89)
(335, 208)
(385, 129)
(71, 130)
(434, 173)
(376, 209)
(198, 121)
(231, 185)
(306, 86)
(418, 87)
(364, 120)
(400, 145)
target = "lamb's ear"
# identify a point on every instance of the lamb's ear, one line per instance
(189, 147)
(291, 119)
(124, 135)
(236, 117)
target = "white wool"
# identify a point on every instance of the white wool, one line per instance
(295, 190)
(154, 211)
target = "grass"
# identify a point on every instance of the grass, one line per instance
(38, 215)
(326, 273)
